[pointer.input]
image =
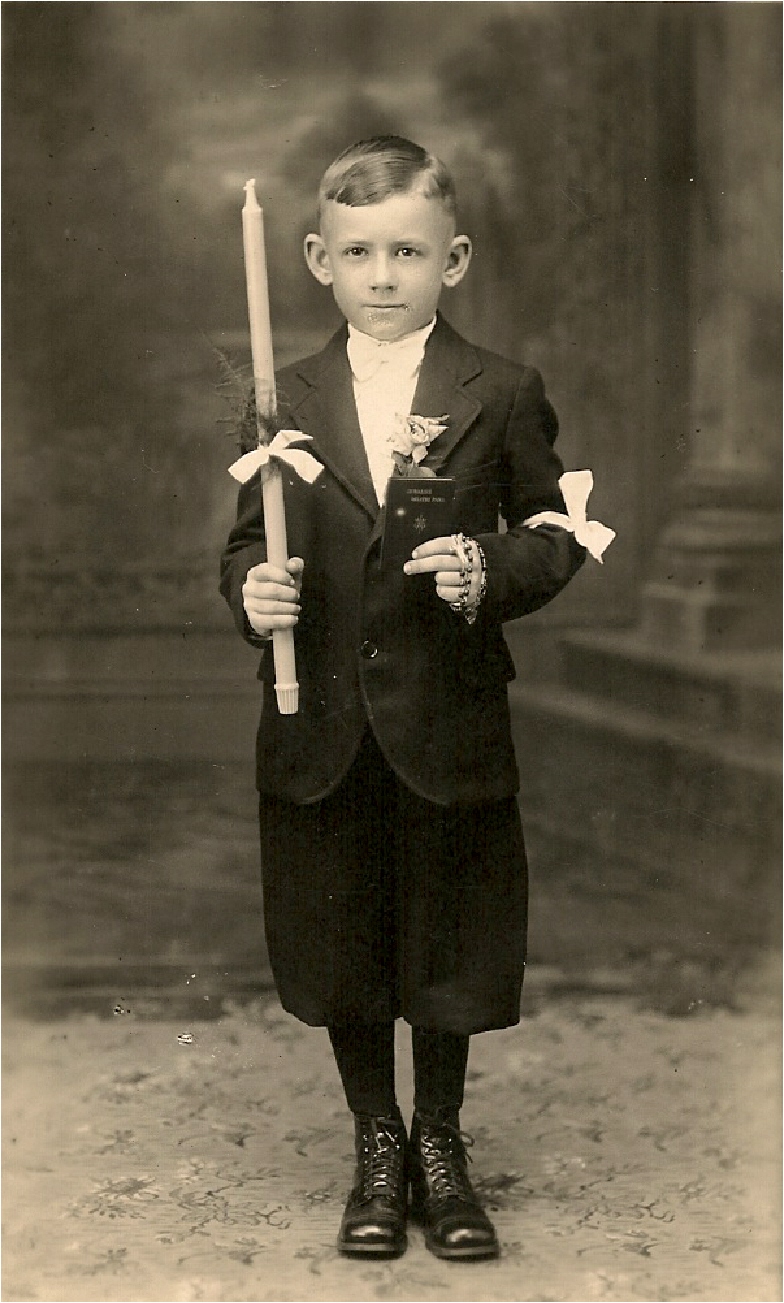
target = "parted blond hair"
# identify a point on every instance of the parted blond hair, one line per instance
(372, 170)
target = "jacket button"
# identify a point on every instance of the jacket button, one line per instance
(368, 649)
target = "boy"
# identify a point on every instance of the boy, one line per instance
(394, 872)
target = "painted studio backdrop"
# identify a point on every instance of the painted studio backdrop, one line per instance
(617, 167)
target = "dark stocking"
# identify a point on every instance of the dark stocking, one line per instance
(365, 1055)
(440, 1060)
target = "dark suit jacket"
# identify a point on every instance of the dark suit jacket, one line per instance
(381, 647)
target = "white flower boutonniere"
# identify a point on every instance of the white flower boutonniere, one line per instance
(410, 440)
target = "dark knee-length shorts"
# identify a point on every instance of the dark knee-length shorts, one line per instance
(379, 904)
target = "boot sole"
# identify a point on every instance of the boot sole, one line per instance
(462, 1255)
(350, 1251)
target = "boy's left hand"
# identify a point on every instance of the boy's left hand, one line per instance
(437, 557)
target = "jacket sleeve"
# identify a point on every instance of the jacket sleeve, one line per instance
(246, 547)
(526, 568)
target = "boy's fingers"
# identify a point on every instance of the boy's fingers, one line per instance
(264, 624)
(434, 547)
(423, 562)
(295, 566)
(258, 614)
(271, 590)
(264, 573)
(276, 621)
(280, 594)
(270, 604)
(269, 601)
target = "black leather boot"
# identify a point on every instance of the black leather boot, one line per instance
(374, 1222)
(455, 1224)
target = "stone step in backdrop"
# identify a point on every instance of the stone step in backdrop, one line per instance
(652, 776)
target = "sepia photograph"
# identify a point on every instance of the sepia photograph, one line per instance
(391, 647)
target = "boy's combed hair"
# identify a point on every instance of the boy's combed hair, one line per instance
(372, 170)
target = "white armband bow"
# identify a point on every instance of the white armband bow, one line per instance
(576, 489)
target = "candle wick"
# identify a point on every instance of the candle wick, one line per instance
(251, 199)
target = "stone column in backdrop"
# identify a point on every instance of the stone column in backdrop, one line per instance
(716, 575)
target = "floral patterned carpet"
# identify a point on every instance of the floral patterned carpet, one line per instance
(624, 1154)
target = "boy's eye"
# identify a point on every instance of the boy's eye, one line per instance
(407, 251)
(354, 251)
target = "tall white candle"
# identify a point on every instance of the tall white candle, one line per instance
(258, 302)
(286, 686)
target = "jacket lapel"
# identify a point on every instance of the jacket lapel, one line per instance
(449, 362)
(328, 413)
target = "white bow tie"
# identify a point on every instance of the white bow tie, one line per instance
(367, 356)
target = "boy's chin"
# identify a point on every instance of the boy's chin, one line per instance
(388, 324)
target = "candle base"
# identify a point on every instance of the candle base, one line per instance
(288, 698)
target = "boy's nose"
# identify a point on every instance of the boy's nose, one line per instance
(382, 272)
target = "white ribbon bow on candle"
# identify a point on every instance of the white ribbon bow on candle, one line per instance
(279, 450)
(576, 489)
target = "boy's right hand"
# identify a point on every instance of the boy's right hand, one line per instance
(271, 596)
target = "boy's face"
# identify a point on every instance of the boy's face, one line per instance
(387, 262)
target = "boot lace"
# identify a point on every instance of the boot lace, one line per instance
(381, 1161)
(444, 1158)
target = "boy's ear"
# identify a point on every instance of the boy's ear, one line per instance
(317, 258)
(457, 261)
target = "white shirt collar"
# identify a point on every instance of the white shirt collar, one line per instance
(367, 355)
